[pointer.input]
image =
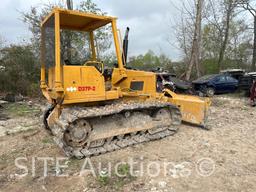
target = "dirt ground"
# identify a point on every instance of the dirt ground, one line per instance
(218, 160)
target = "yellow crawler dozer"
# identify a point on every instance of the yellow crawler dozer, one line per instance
(91, 114)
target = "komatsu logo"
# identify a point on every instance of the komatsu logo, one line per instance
(71, 89)
(87, 88)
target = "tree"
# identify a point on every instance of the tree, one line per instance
(21, 70)
(183, 33)
(236, 50)
(229, 9)
(224, 36)
(19, 64)
(79, 48)
(247, 5)
(70, 4)
(188, 33)
(225, 41)
(195, 51)
(150, 61)
(2, 68)
(1, 42)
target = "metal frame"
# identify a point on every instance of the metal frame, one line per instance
(56, 13)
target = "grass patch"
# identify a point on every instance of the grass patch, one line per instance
(123, 176)
(104, 180)
(47, 140)
(20, 109)
(124, 170)
(117, 180)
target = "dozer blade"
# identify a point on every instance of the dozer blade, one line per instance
(193, 109)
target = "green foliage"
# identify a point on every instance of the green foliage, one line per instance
(20, 72)
(124, 170)
(179, 68)
(104, 180)
(231, 49)
(210, 66)
(123, 176)
(238, 43)
(20, 110)
(109, 60)
(79, 49)
(34, 88)
(118, 180)
(150, 61)
(47, 140)
(19, 64)
(236, 53)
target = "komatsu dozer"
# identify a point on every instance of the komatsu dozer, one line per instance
(90, 113)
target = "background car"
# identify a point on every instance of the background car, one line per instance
(212, 84)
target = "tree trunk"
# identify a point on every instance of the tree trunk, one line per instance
(226, 35)
(198, 56)
(253, 67)
(195, 51)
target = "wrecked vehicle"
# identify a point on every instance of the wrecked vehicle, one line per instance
(169, 81)
(215, 84)
(246, 82)
(235, 73)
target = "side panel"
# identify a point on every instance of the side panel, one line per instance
(83, 83)
(137, 81)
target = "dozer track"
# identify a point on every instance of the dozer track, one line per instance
(88, 131)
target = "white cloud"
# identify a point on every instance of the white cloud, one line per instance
(149, 21)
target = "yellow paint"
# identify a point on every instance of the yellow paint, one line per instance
(117, 45)
(85, 84)
(193, 109)
(58, 83)
(148, 78)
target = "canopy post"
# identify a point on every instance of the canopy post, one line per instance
(58, 83)
(117, 45)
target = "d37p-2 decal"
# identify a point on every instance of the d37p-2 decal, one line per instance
(81, 88)
(87, 88)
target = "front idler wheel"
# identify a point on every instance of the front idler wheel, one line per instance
(77, 134)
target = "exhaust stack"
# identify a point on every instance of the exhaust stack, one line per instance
(125, 45)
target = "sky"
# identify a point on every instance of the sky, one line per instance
(150, 22)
